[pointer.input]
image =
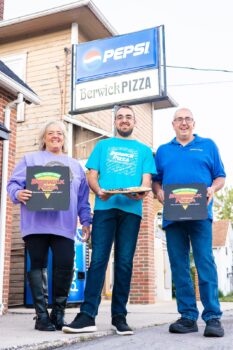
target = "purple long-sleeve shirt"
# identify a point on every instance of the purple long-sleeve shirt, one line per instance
(62, 223)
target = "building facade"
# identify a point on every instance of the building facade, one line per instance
(40, 47)
(223, 254)
(13, 91)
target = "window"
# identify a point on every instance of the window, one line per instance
(17, 63)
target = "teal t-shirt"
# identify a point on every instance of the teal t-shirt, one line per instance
(121, 163)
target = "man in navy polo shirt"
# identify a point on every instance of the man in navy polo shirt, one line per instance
(186, 159)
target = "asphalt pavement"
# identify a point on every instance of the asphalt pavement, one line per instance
(157, 338)
(17, 326)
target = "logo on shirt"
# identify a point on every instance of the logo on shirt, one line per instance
(121, 157)
(122, 160)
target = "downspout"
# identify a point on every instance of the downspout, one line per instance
(74, 40)
(113, 121)
(3, 208)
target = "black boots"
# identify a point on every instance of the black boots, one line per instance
(62, 280)
(39, 288)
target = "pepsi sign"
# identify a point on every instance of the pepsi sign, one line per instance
(116, 55)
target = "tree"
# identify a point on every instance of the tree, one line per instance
(223, 204)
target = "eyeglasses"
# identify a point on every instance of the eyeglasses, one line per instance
(127, 117)
(187, 120)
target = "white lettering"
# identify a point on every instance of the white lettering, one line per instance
(116, 153)
(108, 54)
(122, 52)
(74, 287)
(120, 159)
(118, 53)
(139, 49)
(128, 50)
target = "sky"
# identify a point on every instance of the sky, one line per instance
(198, 39)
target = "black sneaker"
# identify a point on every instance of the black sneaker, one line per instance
(213, 328)
(120, 323)
(183, 325)
(43, 323)
(81, 324)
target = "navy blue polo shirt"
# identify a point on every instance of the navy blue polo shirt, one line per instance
(198, 161)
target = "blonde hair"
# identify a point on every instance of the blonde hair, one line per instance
(61, 125)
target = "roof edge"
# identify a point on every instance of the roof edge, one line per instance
(102, 18)
(59, 9)
(15, 87)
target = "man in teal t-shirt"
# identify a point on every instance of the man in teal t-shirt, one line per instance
(118, 162)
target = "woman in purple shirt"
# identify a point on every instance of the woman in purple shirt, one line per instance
(55, 229)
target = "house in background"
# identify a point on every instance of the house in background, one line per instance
(163, 276)
(223, 254)
(13, 93)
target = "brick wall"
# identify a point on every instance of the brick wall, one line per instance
(143, 281)
(1, 9)
(1, 143)
(5, 97)
(196, 286)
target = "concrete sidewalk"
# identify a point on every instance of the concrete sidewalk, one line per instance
(17, 327)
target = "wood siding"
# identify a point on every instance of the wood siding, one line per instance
(48, 73)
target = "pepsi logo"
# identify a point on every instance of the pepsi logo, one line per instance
(92, 59)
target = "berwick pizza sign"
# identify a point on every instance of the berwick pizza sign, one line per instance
(127, 68)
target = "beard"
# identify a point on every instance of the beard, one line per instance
(124, 133)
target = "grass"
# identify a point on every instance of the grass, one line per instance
(226, 298)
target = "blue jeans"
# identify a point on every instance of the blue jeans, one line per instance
(122, 228)
(199, 233)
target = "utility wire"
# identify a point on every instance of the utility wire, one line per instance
(202, 83)
(202, 69)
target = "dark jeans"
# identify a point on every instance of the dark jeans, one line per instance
(199, 233)
(122, 228)
(38, 248)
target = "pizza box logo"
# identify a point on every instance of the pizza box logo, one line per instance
(185, 196)
(47, 182)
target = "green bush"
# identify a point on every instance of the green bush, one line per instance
(226, 298)
(220, 294)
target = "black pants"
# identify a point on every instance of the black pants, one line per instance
(62, 249)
